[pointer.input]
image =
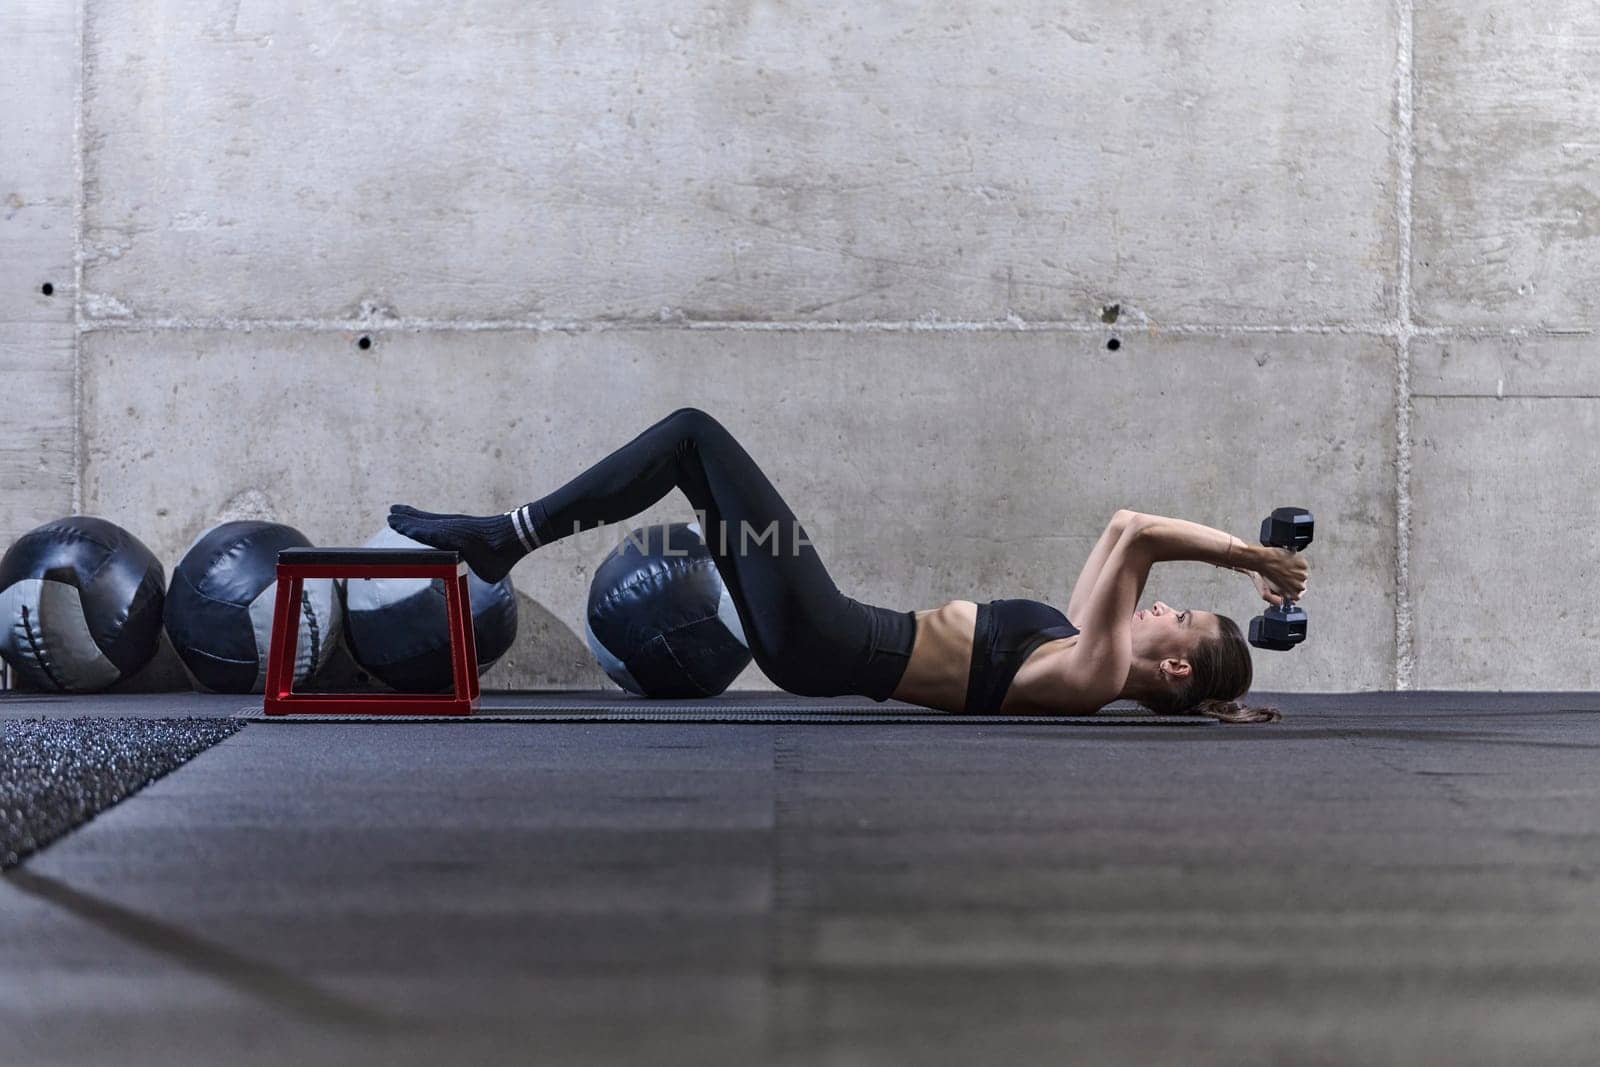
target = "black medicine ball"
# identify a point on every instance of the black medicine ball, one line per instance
(660, 620)
(219, 608)
(80, 603)
(395, 627)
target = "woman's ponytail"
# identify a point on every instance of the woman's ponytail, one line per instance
(1233, 711)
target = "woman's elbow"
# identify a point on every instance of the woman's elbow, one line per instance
(1134, 522)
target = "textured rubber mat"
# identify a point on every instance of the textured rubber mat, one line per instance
(58, 773)
(746, 718)
(755, 706)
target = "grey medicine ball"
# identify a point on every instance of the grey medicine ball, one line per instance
(80, 603)
(219, 608)
(395, 627)
(660, 620)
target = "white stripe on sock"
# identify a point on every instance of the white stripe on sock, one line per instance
(516, 524)
(527, 520)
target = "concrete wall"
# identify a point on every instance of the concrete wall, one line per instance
(1349, 248)
(39, 79)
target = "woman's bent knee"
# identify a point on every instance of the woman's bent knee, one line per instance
(693, 420)
(695, 426)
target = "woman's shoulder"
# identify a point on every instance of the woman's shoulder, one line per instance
(1058, 681)
(1054, 681)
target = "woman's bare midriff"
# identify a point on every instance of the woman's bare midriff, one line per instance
(941, 662)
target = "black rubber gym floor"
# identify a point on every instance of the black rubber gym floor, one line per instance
(1381, 878)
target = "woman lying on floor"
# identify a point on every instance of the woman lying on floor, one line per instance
(1016, 657)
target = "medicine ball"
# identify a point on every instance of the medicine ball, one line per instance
(395, 627)
(219, 608)
(80, 601)
(660, 621)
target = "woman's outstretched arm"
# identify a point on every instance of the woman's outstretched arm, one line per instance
(1171, 539)
(1237, 559)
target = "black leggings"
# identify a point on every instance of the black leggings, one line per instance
(807, 637)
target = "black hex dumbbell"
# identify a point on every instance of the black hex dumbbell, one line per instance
(1283, 626)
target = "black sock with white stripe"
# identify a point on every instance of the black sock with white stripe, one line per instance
(490, 544)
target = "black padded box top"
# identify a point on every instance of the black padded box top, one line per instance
(342, 556)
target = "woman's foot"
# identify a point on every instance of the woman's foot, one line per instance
(489, 543)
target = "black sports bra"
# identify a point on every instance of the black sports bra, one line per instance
(1007, 633)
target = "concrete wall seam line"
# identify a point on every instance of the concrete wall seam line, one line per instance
(79, 213)
(136, 325)
(1387, 329)
(1505, 396)
(1405, 148)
